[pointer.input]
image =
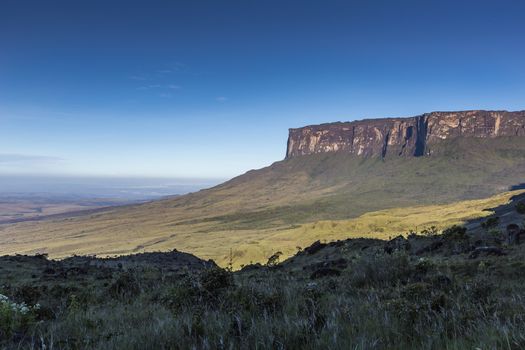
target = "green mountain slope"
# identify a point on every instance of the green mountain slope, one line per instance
(339, 186)
(244, 213)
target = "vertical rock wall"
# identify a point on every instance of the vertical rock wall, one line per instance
(402, 136)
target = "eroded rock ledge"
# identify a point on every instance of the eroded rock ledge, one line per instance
(402, 136)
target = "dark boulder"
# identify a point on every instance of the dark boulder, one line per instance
(314, 248)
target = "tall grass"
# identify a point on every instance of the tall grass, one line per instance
(378, 302)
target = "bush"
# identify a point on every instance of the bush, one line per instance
(495, 233)
(431, 231)
(490, 223)
(27, 293)
(520, 207)
(416, 291)
(215, 279)
(256, 300)
(184, 293)
(14, 317)
(126, 285)
(424, 265)
(274, 259)
(455, 233)
(200, 292)
(380, 270)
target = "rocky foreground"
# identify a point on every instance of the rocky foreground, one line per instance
(455, 289)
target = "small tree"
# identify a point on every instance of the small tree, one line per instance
(411, 233)
(230, 261)
(431, 231)
(274, 259)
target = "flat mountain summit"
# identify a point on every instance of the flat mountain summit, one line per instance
(374, 178)
(413, 136)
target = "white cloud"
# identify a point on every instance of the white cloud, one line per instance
(221, 99)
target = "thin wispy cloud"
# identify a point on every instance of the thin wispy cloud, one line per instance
(139, 77)
(158, 80)
(159, 86)
(11, 158)
(175, 67)
(171, 68)
(22, 163)
(147, 87)
(221, 99)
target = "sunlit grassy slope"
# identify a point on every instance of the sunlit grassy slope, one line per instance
(247, 246)
(383, 224)
(292, 203)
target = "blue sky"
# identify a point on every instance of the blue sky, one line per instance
(209, 88)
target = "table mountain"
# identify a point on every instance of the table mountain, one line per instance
(333, 173)
(413, 136)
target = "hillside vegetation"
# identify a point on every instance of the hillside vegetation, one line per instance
(459, 290)
(292, 203)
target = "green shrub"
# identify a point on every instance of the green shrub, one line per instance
(424, 265)
(258, 299)
(431, 231)
(520, 207)
(417, 291)
(216, 279)
(27, 293)
(15, 317)
(380, 270)
(495, 233)
(185, 293)
(274, 259)
(490, 223)
(125, 285)
(455, 233)
(200, 292)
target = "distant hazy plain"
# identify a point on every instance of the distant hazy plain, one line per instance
(99, 187)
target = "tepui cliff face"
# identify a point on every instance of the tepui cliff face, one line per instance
(403, 136)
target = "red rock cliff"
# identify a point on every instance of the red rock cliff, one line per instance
(402, 136)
